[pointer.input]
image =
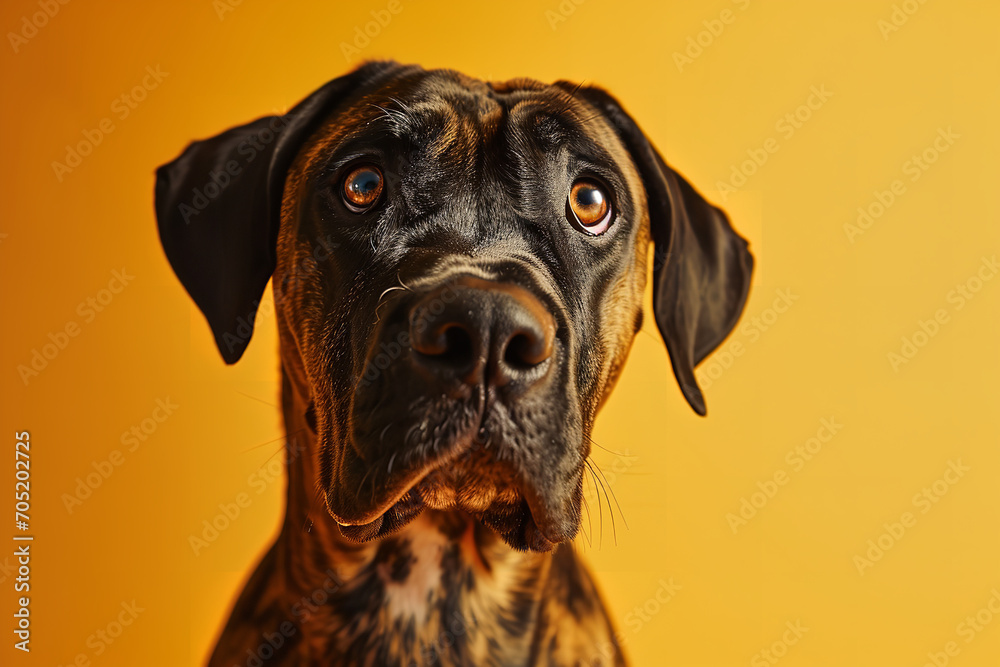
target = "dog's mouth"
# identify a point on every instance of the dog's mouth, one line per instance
(512, 520)
(470, 474)
(495, 495)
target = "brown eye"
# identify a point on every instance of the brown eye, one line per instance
(589, 205)
(362, 187)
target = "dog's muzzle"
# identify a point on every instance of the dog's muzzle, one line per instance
(468, 415)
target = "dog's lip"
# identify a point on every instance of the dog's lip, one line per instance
(551, 524)
(554, 524)
(541, 531)
(406, 480)
(410, 478)
(363, 517)
(549, 520)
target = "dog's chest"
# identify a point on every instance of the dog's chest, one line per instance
(415, 574)
(432, 596)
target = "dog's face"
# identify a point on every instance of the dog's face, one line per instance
(459, 268)
(488, 259)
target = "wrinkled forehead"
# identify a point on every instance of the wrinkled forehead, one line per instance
(445, 115)
(444, 108)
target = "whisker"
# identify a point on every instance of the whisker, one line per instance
(280, 449)
(611, 510)
(610, 451)
(264, 443)
(397, 119)
(613, 495)
(404, 285)
(643, 330)
(600, 507)
(273, 405)
(590, 527)
(590, 118)
(379, 303)
(572, 95)
(358, 493)
(403, 108)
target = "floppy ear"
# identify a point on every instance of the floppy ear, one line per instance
(702, 266)
(218, 206)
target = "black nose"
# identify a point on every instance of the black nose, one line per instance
(478, 331)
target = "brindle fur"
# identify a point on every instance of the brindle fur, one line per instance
(426, 524)
(482, 603)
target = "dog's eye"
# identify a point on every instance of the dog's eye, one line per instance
(362, 188)
(588, 207)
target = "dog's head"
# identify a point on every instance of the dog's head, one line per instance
(458, 271)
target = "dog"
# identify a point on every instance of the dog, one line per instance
(458, 269)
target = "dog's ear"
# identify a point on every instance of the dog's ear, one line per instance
(702, 267)
(218, 206)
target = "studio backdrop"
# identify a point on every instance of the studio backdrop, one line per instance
(838, 505)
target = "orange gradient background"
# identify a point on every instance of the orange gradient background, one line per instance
(676, 476)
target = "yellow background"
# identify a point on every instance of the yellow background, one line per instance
(676, 476)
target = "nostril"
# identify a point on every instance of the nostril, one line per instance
(458, 347)
(448, 344)
(524, 351)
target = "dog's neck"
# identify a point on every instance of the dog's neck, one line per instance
(421, 594)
